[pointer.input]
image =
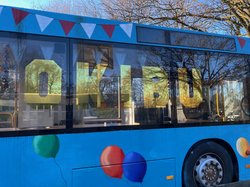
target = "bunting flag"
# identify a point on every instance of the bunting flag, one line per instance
(43, 22)
(97, 56)
(127, 28)
(48, 51)
(142, 58)
(120, 56)
(109, 29)
(67, 26)
(18, 15)
(242, 42)
(88, 28)
(17, 50)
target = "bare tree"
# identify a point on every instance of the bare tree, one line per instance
(239, 15)
(127, 10)
(220, 16)
(223, 16)
(76, 7)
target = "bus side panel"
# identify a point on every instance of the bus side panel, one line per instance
(164, 173)
(61, 160)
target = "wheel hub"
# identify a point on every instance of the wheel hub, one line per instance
(209, 171)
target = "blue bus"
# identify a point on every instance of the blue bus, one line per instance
(93, 102)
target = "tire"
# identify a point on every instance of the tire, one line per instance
(207, 164)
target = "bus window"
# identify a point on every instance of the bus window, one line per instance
(8, 84)
(43, 76)
(245, 101)
(211, 87)
(117, 85)
(32, 90)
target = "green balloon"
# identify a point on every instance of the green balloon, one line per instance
(46, 146)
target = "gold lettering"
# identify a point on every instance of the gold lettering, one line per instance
(155, 83)
(88, 85)
(32, 79)
(185, 99)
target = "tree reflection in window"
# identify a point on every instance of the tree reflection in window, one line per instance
(222, 78)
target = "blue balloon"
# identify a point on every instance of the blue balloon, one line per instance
(134, 167)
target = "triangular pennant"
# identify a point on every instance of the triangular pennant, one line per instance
(88, 28)
(1, 9)
(18, 15)
(142, 58)
(48, 51)
(242, 42)
(127, 28)
(120, 56)
(109, 29)
(17, 50)
(43, 21)
(67, 26)
(97, 56)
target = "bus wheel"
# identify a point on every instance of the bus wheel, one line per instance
(208, 164)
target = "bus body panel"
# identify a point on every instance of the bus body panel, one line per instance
(78, 160)
(132, 157)
(50, 24)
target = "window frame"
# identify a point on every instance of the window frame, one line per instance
(70, 88)
(42, 38)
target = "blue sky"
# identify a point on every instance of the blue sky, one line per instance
(17, 3)
(22, 3)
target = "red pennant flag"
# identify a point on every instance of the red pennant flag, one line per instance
(242, 42)
(67, 26)
(109, 29)
(18, 15)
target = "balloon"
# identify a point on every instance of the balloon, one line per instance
(46, 146)
(134, 167)
(242, 147)
(111, 161)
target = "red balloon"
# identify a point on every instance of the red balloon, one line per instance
(111, 161)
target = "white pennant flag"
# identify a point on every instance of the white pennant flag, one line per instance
(88, 28)
(97, 56)
(120, 56)
(142, 58)
(43, 21)
(127, 28)
(17, 49)
(48, 51)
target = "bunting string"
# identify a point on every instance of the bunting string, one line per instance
(89, 28)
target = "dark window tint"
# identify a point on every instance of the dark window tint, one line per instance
(147, 35)
(202, 41)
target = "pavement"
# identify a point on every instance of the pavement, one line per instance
(236, 184)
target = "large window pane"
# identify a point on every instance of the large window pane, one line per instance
(211, 87)
(131, 85)
(202, 41)
(118, 85)
(8, 83)
(32, 90)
